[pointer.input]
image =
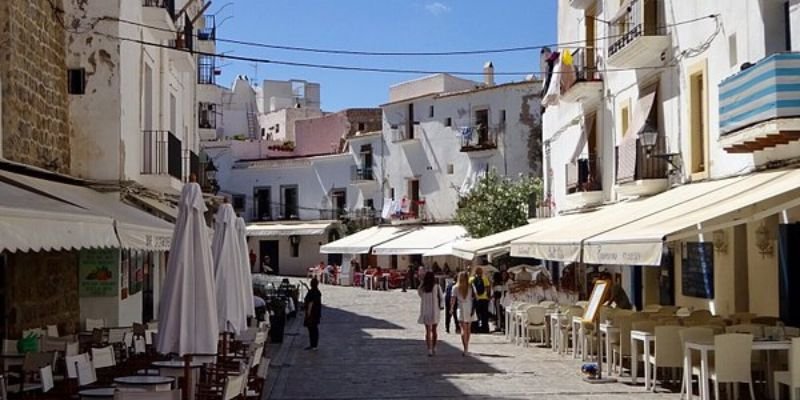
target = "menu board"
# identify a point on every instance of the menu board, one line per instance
(697, 270)
(598, 294)
(99, 273)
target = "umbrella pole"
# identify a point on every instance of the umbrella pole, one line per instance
(187, 376)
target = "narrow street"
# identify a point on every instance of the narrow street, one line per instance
(371, 347)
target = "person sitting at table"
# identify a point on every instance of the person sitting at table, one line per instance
(447, 270)
(617, 297)
(436, 269)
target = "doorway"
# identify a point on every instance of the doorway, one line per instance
(269, 248)
(413, 196)
(334, 259)
(263, 204)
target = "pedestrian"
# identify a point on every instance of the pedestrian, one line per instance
(480, 284)
(465, 312)
(313, 313)
(265, 265)
(253, 259)
(497, 296)
(450, 307)
(430, 306)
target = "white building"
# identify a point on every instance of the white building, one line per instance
(139, 101)
(281, 103)
(672, 67)
(441, 133)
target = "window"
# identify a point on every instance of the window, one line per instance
(430, 112)
(482, 125)
(502, 116)
(391, 193)
(413, 195)
(361, 126)
(450, 169)
(207, 116)
(410, 122)
(338, 202)
(262, 207)
(448, 121)
(238, 202)
(698, 103)
(625, 118)
(205, 70)
(76, 80)
(289, 199)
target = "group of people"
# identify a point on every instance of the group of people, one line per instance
(465, 301)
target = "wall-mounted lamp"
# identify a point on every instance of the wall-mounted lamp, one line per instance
(764, 241)
(649, 137)
(720, 240)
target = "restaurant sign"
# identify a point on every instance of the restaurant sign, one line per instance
(98, 272)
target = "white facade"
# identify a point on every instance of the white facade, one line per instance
(685, 62)
(281, 103)
(132, 89)
(436, 157)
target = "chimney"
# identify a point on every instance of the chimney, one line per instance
(488, 74)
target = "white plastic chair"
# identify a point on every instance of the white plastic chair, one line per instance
(790, 378)
(46, 376)
(52, 331)
(535, 323)
(165, 395)
(103, 357)
(234, 387)
(732, 356)
(668, 352)
(80, 368)
(694, 334)
(92, 324)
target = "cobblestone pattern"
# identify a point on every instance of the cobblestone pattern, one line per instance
(371, 347)
(35, 105)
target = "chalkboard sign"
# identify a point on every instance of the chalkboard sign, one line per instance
(698, 270)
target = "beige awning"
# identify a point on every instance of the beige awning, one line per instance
(564, 241)
(497, 243)
(738, 201)
(165, 209)
(421, 240)
(363, 241)
(285, 228)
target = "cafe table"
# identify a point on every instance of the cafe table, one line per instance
(97, 393)
(607, 330)
(147, 383)
(647, 339)
(704, 347)
(175, 369)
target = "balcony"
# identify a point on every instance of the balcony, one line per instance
(160, 14)
(412, 213)
(362, 177)
(183, 40)
(207, 121)
(757, 107)
(588, 86)
(207, 35)
(638, 174)
(584, 184)
(582, 4)
(478, 141)
(206, 71)
(162, 161)
(406, 134)
(640, 42)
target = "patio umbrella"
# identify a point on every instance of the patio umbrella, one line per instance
(229, 282)
(247, 277)
(187, 312)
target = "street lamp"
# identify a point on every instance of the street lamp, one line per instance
(649, 137)
(219, 10)
(211, 177)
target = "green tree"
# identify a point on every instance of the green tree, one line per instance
(497, 204)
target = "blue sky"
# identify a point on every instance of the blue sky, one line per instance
(380, 25)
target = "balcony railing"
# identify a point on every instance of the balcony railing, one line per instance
(168, 5)
(583, 175)
(161, 154)
(640, 19)
(645, 167)
(478, 138)
(361, 174)
(209, 30)
(585, 66)
(415, 211)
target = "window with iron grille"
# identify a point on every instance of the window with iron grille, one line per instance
(205, 70)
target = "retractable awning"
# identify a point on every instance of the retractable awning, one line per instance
(273, 229)
(169, 211)
(563, 241)
(136, 229)
(741, 200)
(421, 240)
(500, 242)
(363, 241)
(443, 250)
(34, 222)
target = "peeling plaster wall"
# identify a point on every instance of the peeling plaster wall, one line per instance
(439, 146)
(34, 106)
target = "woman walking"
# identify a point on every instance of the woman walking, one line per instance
(313, 312)
(429, 309)
(464, 297)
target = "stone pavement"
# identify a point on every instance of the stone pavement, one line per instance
(372, 348)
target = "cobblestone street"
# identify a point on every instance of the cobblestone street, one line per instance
(371, 347)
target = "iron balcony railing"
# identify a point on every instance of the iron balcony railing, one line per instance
(478, 138)
(641, 19)
(645, 167)
(206, 72)
(168, 5)
(585, 66)
(209, 29)
(161, 154)
(361, 174)
(583, 176)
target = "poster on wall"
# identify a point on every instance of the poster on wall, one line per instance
(125, 268)
(137, 271)
(99, 272)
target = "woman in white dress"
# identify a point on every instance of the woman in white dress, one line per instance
(464, 296)
(431, 303)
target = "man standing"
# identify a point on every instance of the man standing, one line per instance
(450, 307)
(313, 314)
(480, 284)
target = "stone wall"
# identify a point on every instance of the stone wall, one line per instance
(42, 289)
(35, 103)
